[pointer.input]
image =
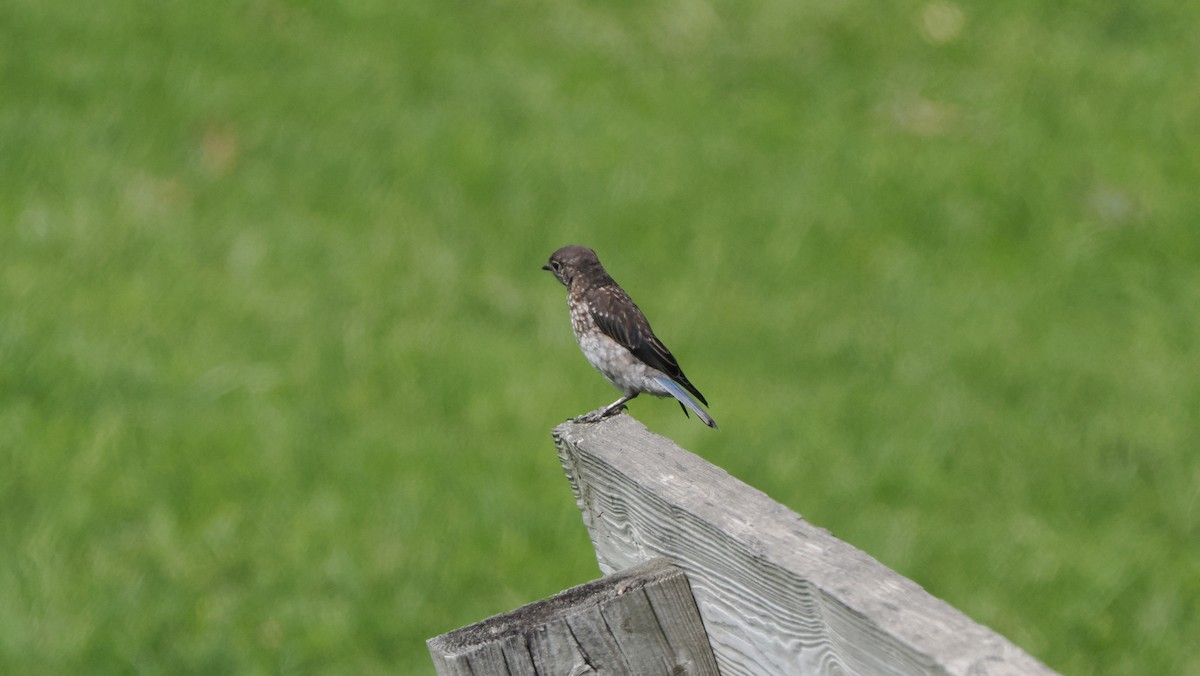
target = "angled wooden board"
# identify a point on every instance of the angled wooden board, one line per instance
(777, 594)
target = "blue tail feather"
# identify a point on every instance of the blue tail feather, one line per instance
(686, 400)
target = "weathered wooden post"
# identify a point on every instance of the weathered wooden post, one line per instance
(776, 595)
(639, 622)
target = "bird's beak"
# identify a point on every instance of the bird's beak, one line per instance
(547, 267)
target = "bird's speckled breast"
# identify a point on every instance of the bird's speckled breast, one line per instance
(625, 371)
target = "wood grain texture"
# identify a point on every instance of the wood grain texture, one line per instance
(777, 594)
(641, 620)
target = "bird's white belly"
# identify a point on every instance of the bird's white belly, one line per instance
(624, 370)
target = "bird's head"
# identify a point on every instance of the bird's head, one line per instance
(570, 261)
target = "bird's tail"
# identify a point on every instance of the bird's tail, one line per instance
(686, 400)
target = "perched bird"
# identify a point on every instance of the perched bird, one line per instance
(616, 338)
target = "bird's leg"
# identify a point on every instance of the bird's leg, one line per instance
(602, 413)
(617, 405)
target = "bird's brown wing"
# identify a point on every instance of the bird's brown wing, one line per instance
(622, 320)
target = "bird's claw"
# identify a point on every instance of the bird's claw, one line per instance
(599, 414)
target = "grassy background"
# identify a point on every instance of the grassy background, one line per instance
(278, 365)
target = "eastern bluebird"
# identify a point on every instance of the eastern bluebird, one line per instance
(616, 338)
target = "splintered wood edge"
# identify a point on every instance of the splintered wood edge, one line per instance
(637, 490)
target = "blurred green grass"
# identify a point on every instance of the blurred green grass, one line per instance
(278, 365)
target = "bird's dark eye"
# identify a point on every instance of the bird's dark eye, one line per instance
(555, 264)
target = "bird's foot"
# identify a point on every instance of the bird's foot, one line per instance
(599, 414)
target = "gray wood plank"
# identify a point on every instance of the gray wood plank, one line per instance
(777, 595)
(606, 627)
